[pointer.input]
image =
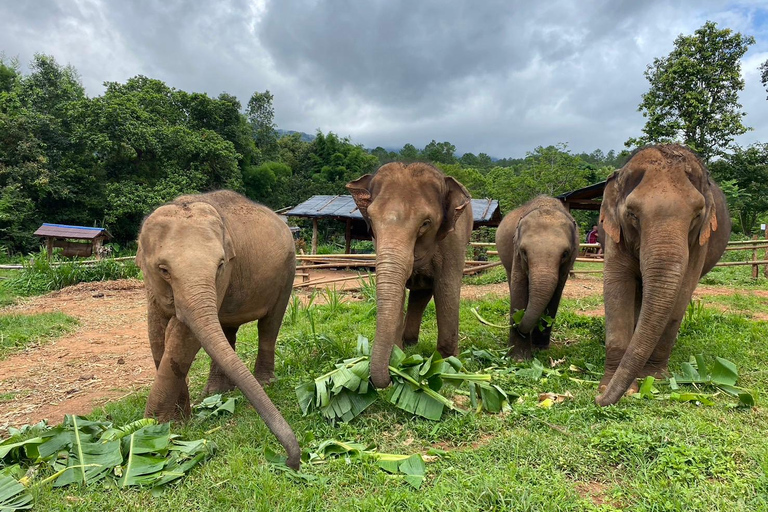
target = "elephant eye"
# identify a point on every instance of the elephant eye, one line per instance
(566, 253)
(164, 271)
(221, 265)
(424, 226)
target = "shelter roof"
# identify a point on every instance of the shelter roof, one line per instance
(76, 232)
(485, 211)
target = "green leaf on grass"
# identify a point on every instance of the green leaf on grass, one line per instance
(13, 495)
(213, 406)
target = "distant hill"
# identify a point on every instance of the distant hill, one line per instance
(305, 137)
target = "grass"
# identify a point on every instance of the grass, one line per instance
(639, 455)
(19, 331)
(42, 275)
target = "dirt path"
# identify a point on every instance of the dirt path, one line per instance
(107, 357)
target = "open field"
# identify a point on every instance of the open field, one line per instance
(637, 455)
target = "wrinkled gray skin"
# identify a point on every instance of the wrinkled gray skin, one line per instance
(211, 263)
(666, 225)
(421, 221)
(538, 244)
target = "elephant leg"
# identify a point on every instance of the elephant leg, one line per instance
(657, 363)
(540, 338)
(264, 368)
(447, 298)
(169, 397)
(519, 344)
(417, 303)
(157, 323)
(620, 290)
(218, 382)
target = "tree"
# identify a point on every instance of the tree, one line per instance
(764, 74)
(409, 153)
(694, 92)
(261, 115)
(743, 174)
(440, 152)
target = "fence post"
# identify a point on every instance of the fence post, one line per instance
(755, 266)
(765, 256)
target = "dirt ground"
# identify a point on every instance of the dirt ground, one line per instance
(107, 357)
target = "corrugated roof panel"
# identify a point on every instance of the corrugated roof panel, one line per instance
(65, 231)
(483, 210)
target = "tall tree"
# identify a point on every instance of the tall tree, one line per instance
(261, 115)
(694, 92)
(440, 152)
(764, 74)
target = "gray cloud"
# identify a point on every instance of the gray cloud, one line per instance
(497, 77)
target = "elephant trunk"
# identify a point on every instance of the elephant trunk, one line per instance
(542, 283)
(663, 263)
(393, 267)
(201, 315)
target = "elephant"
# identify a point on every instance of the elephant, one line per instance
(421, 221)
(537, 244)
(666, 225)
(211, 263)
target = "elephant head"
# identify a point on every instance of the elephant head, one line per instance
(547, 242)
(409, 209)
(188, 258)
(657, 213)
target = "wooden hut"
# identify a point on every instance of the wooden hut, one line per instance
(73, 240)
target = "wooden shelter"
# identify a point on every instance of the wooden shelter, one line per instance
(486, 212)
(587, 198)
(74, 240)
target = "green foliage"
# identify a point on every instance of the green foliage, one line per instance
(743, 176)
(41, 275)
(18, 331)
(694, 91)
(80, 451)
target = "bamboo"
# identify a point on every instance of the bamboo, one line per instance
(328, 281)
(591, 260)
(347, 263)
(737, 263)
(335, 256)
(472, 270)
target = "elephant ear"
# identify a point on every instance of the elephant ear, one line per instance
(361, 193)
(140, 258)
(609, 217)
(229, 245)
(455, 203)
(710, 216)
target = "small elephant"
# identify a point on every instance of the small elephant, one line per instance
(666, 225)
(420, 221)
(211, 263)
(537, 244)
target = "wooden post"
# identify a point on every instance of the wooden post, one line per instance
(348, 236)
(765, 256)
(314, 236)
(49, 246)
(96, 251)
(755, 267)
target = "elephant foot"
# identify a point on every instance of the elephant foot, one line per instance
(217, 388)
(655, 371)
(265, 378)
(603, 401)
(409, 342)
(180, 412)
(520, 353)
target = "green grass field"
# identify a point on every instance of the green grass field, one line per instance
(18, 331)
(649, 455)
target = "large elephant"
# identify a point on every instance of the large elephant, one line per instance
(537, 245)
(211, 263)
(421, 221)
(666, 225)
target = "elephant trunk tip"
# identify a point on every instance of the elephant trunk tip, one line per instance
(381, 380)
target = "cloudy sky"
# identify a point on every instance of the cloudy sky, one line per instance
(499, 77)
